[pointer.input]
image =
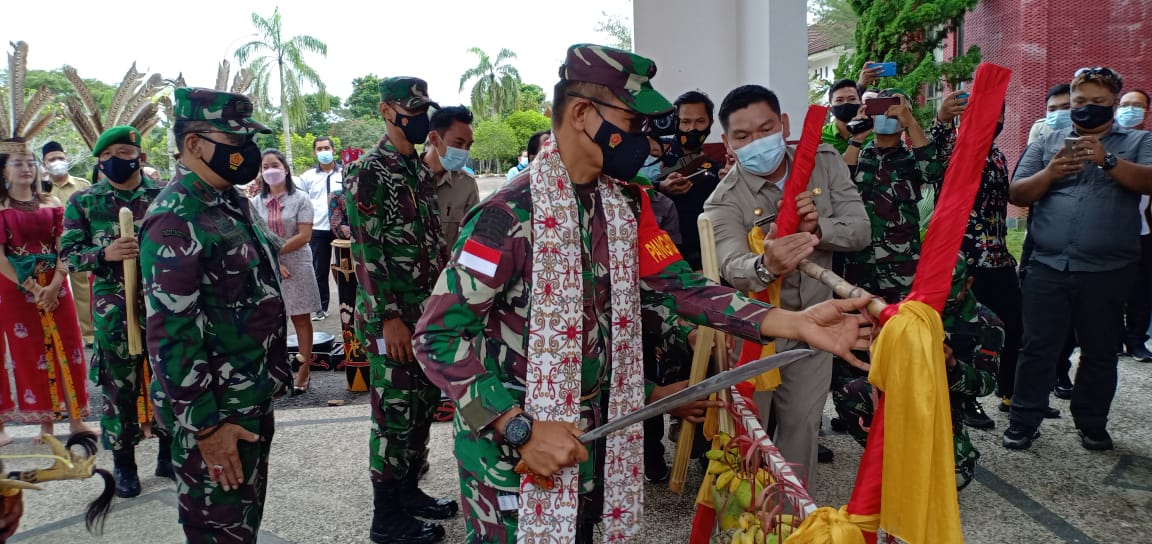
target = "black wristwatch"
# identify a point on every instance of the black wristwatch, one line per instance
(856, 144)
(1109, 163)
(518, 430)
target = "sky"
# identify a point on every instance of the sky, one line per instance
(423, 38)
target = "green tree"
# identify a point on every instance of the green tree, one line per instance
(532, 98)
(497, 85)
(273, 54)
(836, 20)
(364, 102)
(319, 120)
(302, 151)
(526, 123)
(618, 28)
(908, 32)
(361, 133)
(494, 141)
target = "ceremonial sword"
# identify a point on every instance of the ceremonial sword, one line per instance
(689, 394)
(697, 391)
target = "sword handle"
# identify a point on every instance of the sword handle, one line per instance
(543, 482)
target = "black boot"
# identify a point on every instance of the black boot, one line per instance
(415, 502)
(127, 481)
(392, 525)
(974, 415)
(164, 467)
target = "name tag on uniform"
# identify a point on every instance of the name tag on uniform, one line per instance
(509, 502)
(381, 348)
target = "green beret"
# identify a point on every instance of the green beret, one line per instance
(122, 134)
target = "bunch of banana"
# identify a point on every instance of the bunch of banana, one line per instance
(751, 531)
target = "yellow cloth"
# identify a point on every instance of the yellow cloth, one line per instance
(831, 526)
(770, 380)
(918, 496)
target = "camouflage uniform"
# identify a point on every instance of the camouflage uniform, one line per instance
(473, 337)
(890, 180)
(399, 249)
(91, 223)
(216, 326)
(976, 336)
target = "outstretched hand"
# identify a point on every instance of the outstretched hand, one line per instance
(839, 326)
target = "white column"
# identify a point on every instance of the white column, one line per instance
(719, 45)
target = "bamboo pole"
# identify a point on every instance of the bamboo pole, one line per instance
(708, 342)
(840, 286)
(131, 286)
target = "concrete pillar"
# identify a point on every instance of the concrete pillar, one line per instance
(719, 45)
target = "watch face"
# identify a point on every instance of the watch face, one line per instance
(516, 431)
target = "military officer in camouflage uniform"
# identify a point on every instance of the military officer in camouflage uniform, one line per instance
(974, 339)
(92, 242)
(399, 249)
(473, 338)
(216, 321)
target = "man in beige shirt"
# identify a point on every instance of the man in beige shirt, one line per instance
(63, 186)
(830, 209)
(446, 154)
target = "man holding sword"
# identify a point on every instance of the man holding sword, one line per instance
(533, 327)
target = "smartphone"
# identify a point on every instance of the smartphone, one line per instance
(887, 69)
(877, 106)
(963, 97)
(1070, 147)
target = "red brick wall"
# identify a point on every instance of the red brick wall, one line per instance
(1043, 42)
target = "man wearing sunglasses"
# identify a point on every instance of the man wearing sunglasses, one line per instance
(534, 325)
(1084, 184)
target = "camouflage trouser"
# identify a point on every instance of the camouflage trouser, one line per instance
(118, 375)
(403, 403)
(488, 523)
(852, 396)
(210, 515)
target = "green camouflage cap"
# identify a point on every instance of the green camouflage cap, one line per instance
(229, 112)
(628, 75)
(122, 134)
(409, 92)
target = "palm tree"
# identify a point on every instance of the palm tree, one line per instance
(497, 84)
(270, 55)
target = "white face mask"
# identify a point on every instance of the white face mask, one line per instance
(58, 167)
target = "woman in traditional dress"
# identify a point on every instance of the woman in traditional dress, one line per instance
(39, 317)
(288, 213)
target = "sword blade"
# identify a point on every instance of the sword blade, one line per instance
(697, 391)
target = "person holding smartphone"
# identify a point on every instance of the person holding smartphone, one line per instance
(1086, 244)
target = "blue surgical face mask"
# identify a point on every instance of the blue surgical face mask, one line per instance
(454, 159)
(1059, 119)
(763, 155)
(651, 172)
(1129, 116)
(325, 157)
(523, 161)
(882, 124)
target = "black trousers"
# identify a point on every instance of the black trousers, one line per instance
(1138, 312)
(999, 290)
(321, 244)
(1092, 304)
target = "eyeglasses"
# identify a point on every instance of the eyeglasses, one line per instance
(23, 164)
(229, 138)
(1106, 75)
(635, 123)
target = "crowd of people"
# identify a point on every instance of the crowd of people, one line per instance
(567, 298)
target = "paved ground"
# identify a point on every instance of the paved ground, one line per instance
(319, 491)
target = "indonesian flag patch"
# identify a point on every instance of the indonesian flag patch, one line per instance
(480, 258)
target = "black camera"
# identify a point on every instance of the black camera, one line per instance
(664, 124)
(860, 125)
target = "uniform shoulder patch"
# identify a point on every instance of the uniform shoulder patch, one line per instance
(482, 250)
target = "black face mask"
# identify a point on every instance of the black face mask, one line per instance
(693, 139)
(415, 127)
(235, 164)
(624, 153)
(1092, 116)
(119, 170)
(845, 112)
